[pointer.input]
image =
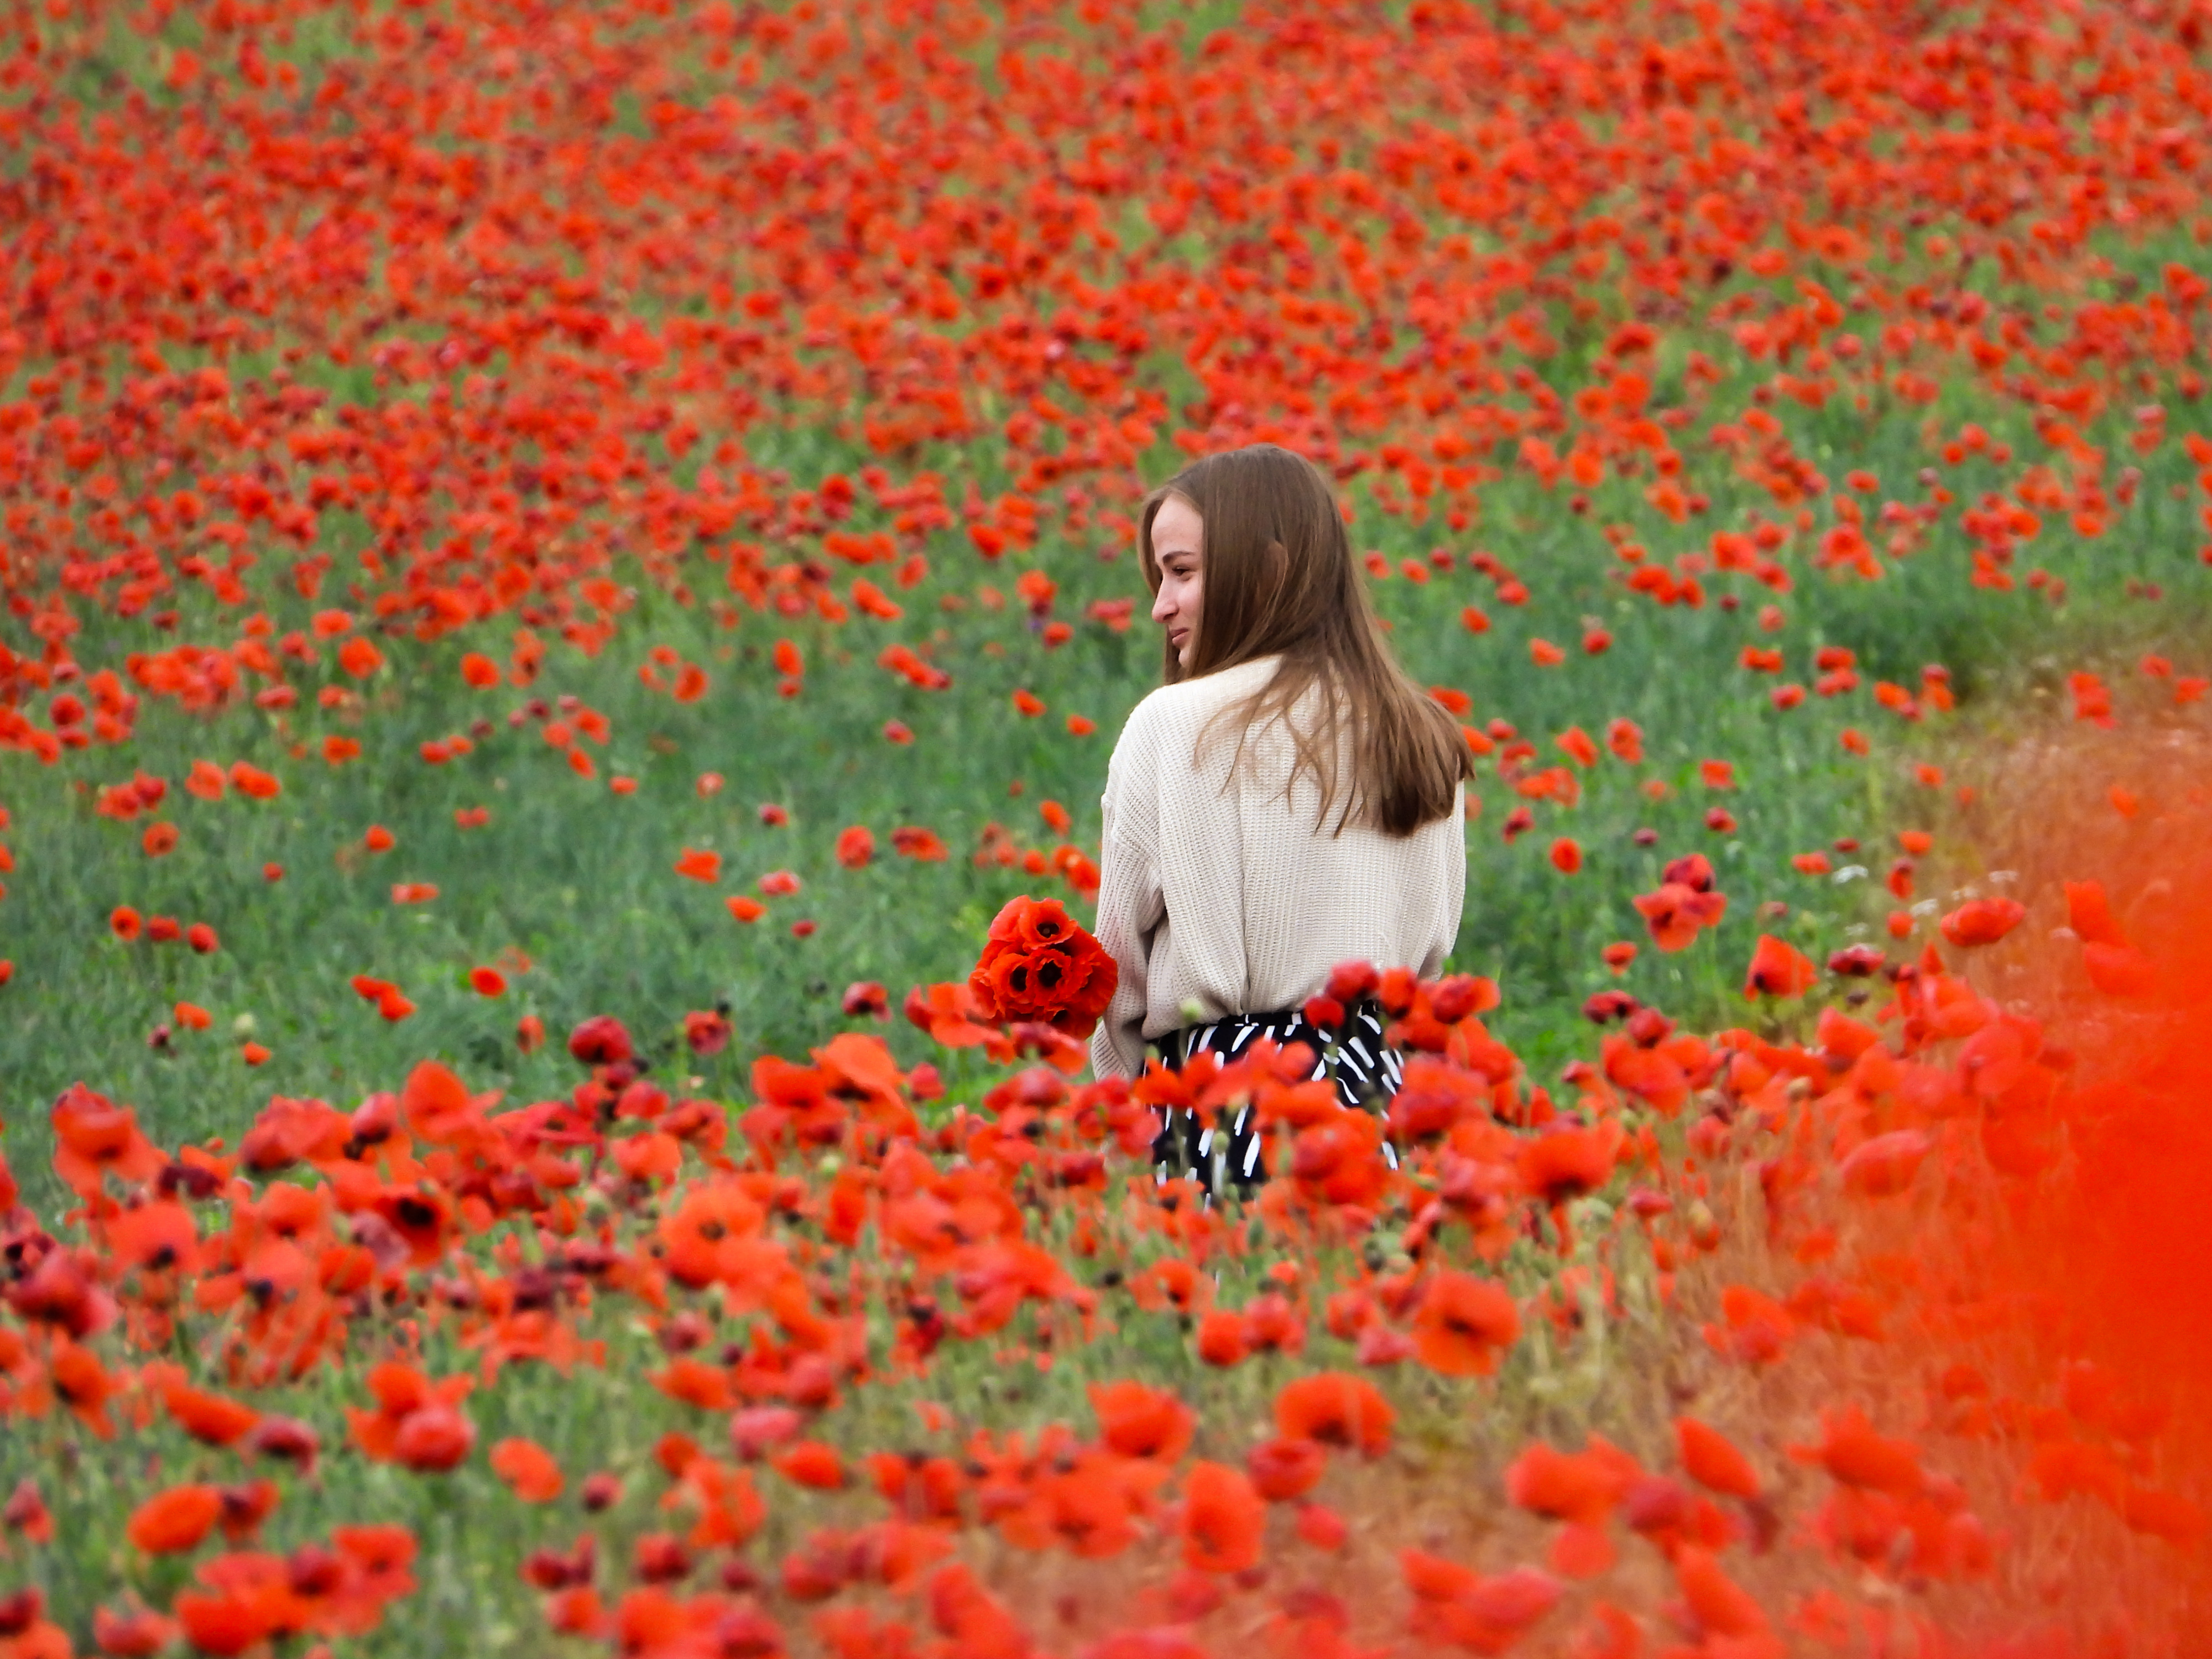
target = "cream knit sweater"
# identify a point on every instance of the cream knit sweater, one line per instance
(1217, 892)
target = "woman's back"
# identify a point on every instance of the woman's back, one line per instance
(1231, 888)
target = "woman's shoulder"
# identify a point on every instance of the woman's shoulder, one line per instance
(1192, 702)
(1162, 734)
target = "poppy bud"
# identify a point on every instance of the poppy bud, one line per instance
(287, 1440)
(1705, 1227)
(602, 1491)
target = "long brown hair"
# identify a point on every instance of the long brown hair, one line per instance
(1277, 579)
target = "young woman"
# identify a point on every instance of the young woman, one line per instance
(1287, 800)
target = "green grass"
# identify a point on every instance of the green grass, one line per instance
(582, 880)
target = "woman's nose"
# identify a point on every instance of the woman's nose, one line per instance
(1164, 606)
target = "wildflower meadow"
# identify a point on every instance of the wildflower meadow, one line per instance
(564, 563)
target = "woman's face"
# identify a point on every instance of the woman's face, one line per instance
(1178, 535)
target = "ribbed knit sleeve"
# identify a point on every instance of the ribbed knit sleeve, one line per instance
(1220, 895)
(1132, 906)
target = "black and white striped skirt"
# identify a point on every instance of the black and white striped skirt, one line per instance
(1367, 1076)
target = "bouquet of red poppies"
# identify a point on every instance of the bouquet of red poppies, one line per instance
(1038, 965)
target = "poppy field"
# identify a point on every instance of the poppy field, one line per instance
(563, 563)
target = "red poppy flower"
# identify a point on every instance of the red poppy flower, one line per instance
(137, 1634)
(1463, 1323)
(1778, 969)
(1710, 1459)
(856, 846)
(1038, 965)
(1139, 1421)
(1283, 1469)
(1675, 913)
(528, 1469)
(96, 1137)
(1222, 1520)
(1335, 1408)
(213, 1418)
(600, 1040)
(176, 1521)
(1983, 921)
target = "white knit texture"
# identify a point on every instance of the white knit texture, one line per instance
(1216, 891)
